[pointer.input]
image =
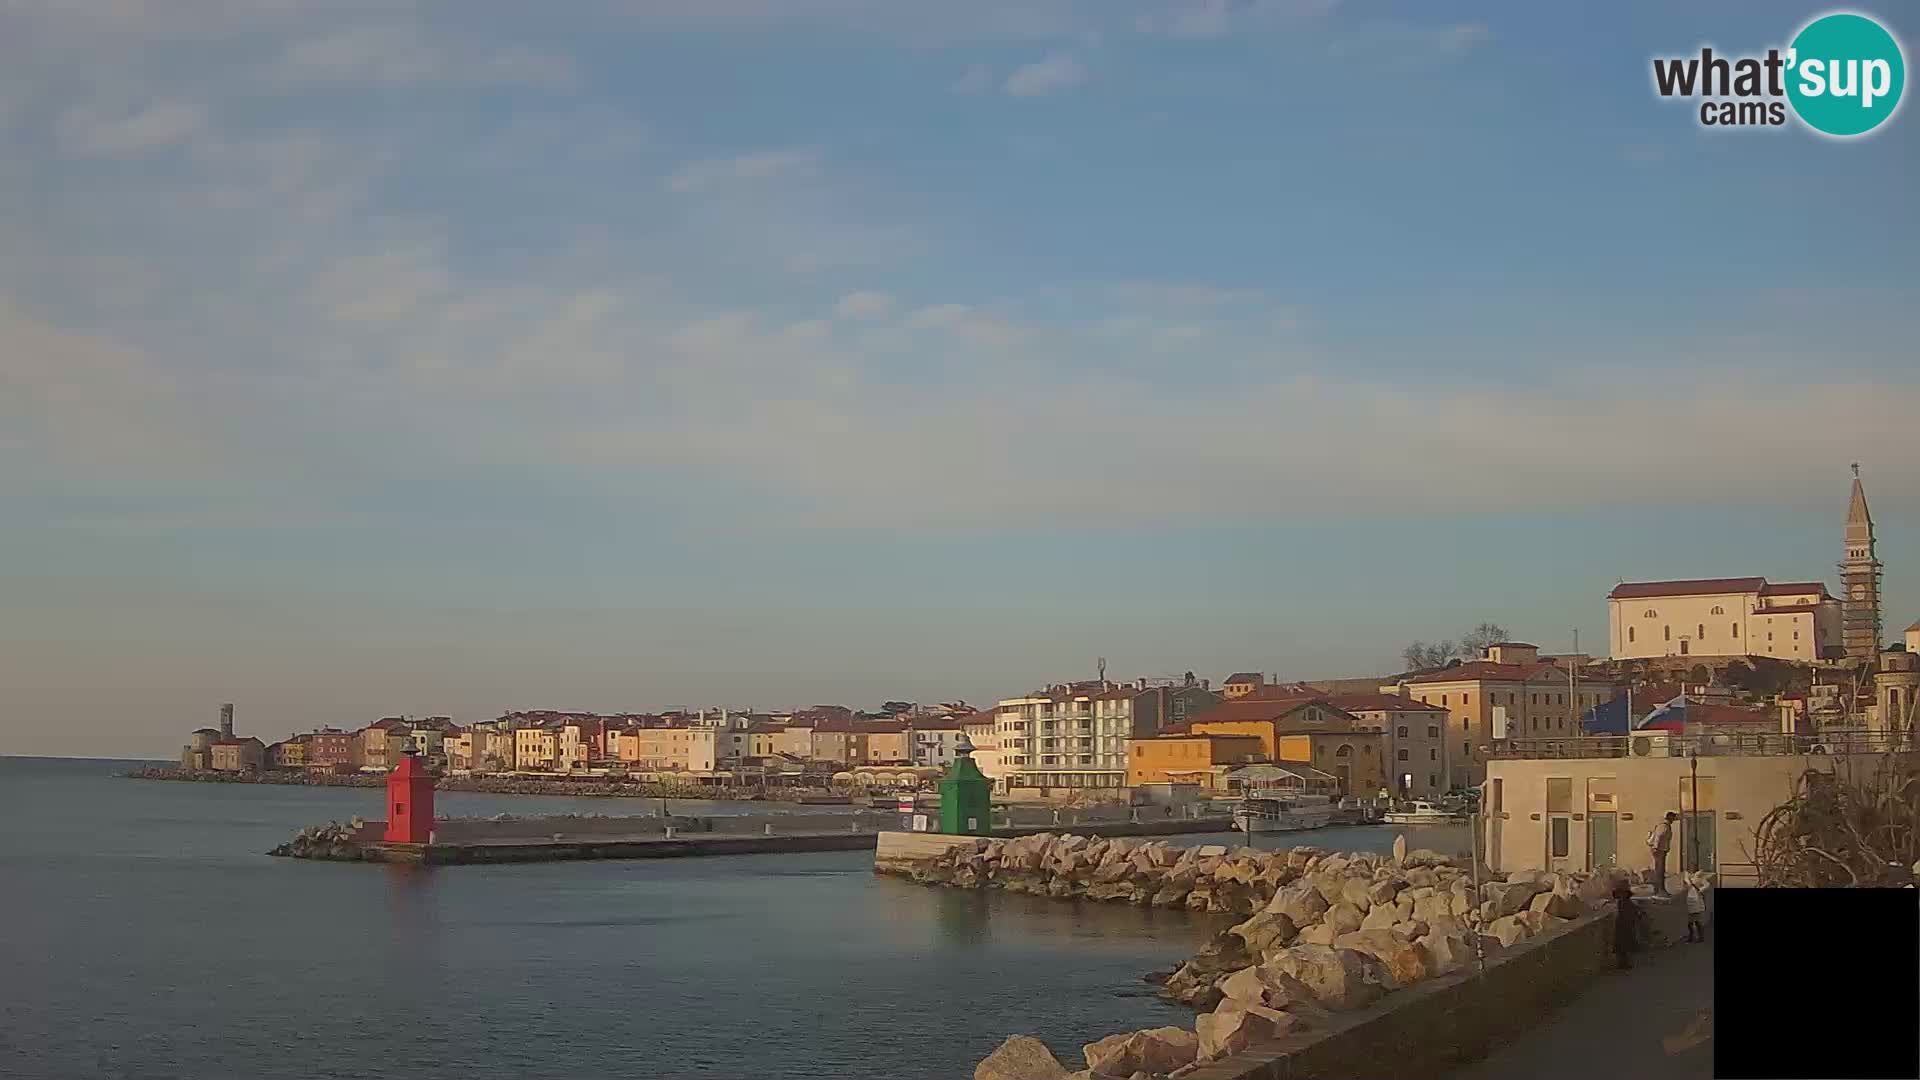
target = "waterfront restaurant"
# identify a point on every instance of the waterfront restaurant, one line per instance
(1588, 803)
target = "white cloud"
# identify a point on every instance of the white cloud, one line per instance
(1214, 18)
(94, 132)
(403, 54)
(1055, 73)
(977, 80)
(761, 167)
(863, 304)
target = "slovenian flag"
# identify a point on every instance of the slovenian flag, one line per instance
(1669, 716)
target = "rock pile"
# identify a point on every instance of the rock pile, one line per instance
(1325, 932)
(330, 841)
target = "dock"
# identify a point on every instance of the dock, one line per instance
(485, 841)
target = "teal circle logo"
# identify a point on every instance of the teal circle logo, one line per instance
(1845, 74)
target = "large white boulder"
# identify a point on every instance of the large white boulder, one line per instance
(1300, 902)
(1343, 917)
(1155, 1050)
(1265, 931)
(1338, 978)
(1404, 964)
(1021, 1057)
(1229, 1030)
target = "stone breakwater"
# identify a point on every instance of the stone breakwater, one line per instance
(1324, 933)
(337, 841)
(490, 785)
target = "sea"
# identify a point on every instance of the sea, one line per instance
(145, 933)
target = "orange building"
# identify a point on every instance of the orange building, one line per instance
(1189, 758)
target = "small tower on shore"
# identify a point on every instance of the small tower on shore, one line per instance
(966, 795)
(226, 721)
(409, 801)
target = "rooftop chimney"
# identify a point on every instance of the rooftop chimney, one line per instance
(226, 721)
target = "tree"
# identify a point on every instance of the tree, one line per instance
(1472, 645)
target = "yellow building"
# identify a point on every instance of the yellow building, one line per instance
(535, 749)
(888, 743)
(1356, 759)
(982, 731)
(1242, 683)
(1418, 766)
(1190, 759)
(1511, 694)
(675, 749)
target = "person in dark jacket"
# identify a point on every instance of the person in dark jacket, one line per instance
(1626, 924)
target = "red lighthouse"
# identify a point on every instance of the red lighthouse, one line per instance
(410, 802)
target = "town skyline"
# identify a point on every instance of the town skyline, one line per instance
(444, 359)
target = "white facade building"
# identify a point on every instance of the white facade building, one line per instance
(1722, 617)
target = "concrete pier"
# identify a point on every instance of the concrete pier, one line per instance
(567, 839)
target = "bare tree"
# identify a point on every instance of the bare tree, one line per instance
(1473, 644)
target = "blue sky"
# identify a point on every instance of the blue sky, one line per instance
(386, 356)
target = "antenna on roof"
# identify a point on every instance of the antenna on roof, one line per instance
(1102, 662)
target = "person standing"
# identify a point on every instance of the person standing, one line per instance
(1626, 924)
(1659, 842)
(1696, 906)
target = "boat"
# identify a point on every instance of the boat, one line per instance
(1425, 813)
(1261, 813)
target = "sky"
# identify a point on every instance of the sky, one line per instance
(381, 357)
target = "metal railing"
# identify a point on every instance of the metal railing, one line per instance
(1667, 744)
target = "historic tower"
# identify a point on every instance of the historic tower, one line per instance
(1860, 581)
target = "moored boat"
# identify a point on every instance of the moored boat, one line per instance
(1291, 813)
(1425, 813)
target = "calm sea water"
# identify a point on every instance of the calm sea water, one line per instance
(143, 934)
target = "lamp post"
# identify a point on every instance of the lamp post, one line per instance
(1693, 825)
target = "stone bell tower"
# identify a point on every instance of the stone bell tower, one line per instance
(1860, 580)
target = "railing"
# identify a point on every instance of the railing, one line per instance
(1667, 744)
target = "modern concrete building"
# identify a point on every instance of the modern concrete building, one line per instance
(1589, 803)
(1724, 617)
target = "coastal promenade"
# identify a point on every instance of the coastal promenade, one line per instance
(1653, 1022)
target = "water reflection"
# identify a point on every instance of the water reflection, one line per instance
(963, 916)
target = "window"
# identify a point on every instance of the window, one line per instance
(1700, 630)
(1666, 633)
(1652, 614)
(1736, 630)
(1464, 752)
(1718, 610)
(1533, 699)
(1344, 751)
(1443, 699)
(1403, 755)
(1466, 699)
(1433, 731)
(1433, 755)
(1629, 633)
(1432, 780)
(1403, 731)
(1796, 635)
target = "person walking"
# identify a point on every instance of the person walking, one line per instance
(1696, 906)
(1659, 842)
(1626, 924)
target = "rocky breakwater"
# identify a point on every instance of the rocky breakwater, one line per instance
(334, 840)
(1326, 933)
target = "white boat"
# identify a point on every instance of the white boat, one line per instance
(1425, 813)
(1260, 813)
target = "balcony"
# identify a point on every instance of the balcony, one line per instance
(1666, 744)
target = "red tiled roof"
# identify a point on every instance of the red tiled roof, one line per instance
(1256, 708)
(1356, 703)
(1513, 645)
(1485, 671)
(1794, 587)
(1729, 714)
(1788, 609)
(941, 723)
(1246, 677)
(1635, 590)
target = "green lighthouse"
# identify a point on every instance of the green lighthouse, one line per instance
(966, 796)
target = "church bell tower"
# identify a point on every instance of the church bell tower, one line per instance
(1860, 581)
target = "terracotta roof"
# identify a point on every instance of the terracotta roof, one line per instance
(1246, 677)
(1486, 671)
(1355, 703)
(1513, 645)
(1915, 626)
(1634, 590)
(1788, 609)
(942, 723)
(1729, 714)
(1792, 587)
(1257, 708)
